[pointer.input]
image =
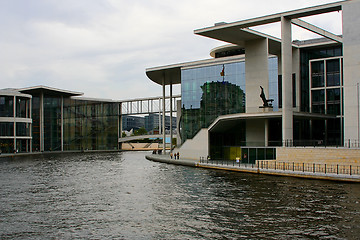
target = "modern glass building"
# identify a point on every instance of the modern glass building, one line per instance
(48, 119)
(312, 87)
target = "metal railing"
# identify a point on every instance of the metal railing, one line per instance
(349, 143)
(289, 166)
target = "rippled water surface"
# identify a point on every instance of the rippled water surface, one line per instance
(124, 196)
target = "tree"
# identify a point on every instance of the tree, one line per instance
(140, 131)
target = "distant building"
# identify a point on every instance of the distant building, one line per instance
(152, 122)
(48, 119)
(132, 122)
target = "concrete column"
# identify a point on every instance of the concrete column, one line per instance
(160, 116)
(163, 117)
(120, 126)
(171, 112)
(256, 73)
(286, 66)
(351, 70)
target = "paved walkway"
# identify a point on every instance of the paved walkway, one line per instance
(255, 169)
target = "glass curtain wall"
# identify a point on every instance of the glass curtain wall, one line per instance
(90, 125)
(15, 133)
(321, 92)
(211, 91)
(36, 123)
(6, 106)
(208, 92)
(326, 97)
(52, 123)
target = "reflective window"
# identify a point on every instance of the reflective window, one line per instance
(52, 124)
(7, 145)
(333, 101)
(333, 72)
(22, 107)
(6, 106)
(317, 74)
(90, 125)
(36, 123)
(212, 91)
(22, 129)
(318, 101)
(327, 98)
(6, 129)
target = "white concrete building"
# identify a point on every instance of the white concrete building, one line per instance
(313, 85)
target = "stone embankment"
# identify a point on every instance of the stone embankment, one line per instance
(334, 172)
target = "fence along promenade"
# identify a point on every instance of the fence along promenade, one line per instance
(339, 172)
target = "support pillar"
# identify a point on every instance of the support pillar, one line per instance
(286, 66)
(171, 112)
(120, 123)
(163, 117)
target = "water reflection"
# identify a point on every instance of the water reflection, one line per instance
(122, 195)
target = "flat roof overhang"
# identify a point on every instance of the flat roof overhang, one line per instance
(37, 90)
(237, 32)
(226, 122)
(170, 74)
(8, 92)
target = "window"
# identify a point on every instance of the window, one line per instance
(326, 94)
(317, 74)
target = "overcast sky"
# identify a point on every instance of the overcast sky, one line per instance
(102, 47)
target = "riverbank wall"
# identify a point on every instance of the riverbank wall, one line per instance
(258, 168)
(48, 153)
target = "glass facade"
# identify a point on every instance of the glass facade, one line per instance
(35, 112)
(90, 125)
(74, 124)
(6, 106)
(321, 92)
(206, 94)
(306, 55)
(326, 86)
(15, 122)
(211, 91)
(52, 123)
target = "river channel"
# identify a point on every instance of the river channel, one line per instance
(125, 196)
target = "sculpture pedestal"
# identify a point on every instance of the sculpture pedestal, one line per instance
(266, 109)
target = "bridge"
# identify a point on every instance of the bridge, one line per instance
(142, 106)
(134, 138)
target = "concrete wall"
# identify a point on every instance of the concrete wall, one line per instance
(255, 132)
(341, 156)
(351, 48)
(256, 73)
(196, 147)
(132, 146)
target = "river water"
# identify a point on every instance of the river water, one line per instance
(125, 196)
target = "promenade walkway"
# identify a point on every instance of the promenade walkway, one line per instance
(352, 176)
